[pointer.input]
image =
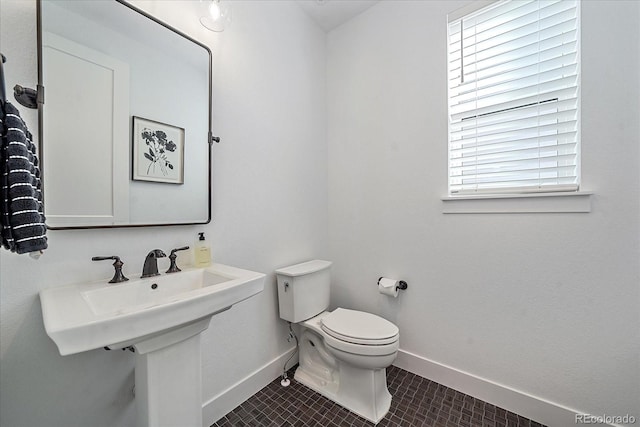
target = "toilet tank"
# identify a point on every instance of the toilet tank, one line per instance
(303, 290)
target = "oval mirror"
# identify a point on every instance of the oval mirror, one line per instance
(125, 128)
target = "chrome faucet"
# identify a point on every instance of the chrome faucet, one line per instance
(150, 267)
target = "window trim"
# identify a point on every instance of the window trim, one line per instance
(558, 202)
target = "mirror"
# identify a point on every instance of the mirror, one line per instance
(125, 128)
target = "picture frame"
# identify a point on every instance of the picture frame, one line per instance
(157, 151)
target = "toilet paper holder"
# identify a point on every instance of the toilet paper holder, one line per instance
(402, 285)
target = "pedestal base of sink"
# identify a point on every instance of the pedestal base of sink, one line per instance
(168, 378)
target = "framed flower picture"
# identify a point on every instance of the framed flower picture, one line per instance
(158, 152)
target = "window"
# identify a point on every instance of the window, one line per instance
(514, 98)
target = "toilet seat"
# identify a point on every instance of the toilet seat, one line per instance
(361, 349)
(359, 332)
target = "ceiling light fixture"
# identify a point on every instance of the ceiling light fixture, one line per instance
(215, 15)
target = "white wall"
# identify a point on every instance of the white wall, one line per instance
(269, 210)
(546, 304)
(504, 309)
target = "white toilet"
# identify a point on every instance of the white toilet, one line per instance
(344, 353)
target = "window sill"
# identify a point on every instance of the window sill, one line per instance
(574, 202)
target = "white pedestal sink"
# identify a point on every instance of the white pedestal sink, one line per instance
(161, 317)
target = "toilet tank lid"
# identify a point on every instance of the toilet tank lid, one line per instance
(304, 268)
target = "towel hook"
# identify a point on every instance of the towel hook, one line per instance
(25, 96)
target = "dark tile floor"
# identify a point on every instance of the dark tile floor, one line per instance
(416, 402)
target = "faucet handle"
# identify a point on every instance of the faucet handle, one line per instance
(117, 276)
(173, 268)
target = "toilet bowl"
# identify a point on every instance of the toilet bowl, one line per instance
(360, 338)
(349, 369)
(344, 353)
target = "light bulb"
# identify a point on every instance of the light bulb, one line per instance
(214, 10)
(216, 15)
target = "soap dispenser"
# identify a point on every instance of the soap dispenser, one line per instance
(202, 252)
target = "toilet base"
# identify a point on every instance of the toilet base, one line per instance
(362, 391)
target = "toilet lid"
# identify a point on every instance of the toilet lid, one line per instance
(359, 327)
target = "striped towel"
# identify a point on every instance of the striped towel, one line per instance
(22, 218)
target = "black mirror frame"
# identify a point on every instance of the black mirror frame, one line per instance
(210, 137)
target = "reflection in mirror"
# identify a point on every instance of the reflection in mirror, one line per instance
(125, 127)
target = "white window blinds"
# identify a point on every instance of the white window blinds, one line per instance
(514, 98)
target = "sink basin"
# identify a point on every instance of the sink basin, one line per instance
(133, 296)
(87, 316)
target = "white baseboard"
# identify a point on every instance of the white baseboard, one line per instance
(521, 403)
(227, 400)
(532, 407)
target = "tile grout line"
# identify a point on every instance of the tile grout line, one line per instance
(417, 402)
